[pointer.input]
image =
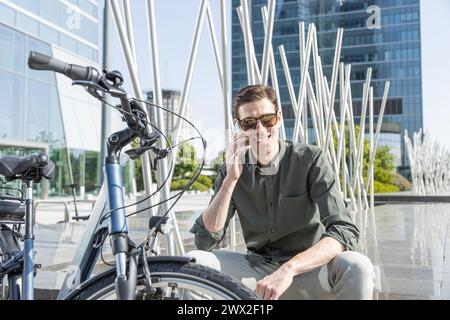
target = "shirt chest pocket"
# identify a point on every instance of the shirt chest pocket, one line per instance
(295, 213)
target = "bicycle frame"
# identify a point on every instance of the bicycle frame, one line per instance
(28, 247)
(111, 192)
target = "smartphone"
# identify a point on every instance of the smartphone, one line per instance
(237, 129)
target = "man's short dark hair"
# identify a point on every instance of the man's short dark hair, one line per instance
(254, 93)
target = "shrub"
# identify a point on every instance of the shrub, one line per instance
(401, 182)
(181, 183)
(383, 176)
(205, 180)
(380, 187)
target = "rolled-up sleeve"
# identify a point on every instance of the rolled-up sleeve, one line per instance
(204, 239)
(333, 212)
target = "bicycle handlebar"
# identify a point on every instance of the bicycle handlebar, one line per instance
(39, 61)
(110, 82)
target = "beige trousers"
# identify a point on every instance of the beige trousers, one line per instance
(349, 275)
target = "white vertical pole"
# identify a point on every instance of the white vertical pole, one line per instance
(117, 17)
(268, 42)
(162, 172)
(225, 86)
(130, 32)
(342, 124)
(301, 28)
(317, 75)
(345, 85)
(362, 122)
(248, 56)
(302, 89)
(273, 72)
(212, 33)
(249, 40)
(188, 79)
(372, 150)
(379, 122)
(337, 56)
(330, 151)
(344, 174)
(352, 132)
(226, 96)
(290, 86)
(289, 83)
(322, 95)
(314, 110)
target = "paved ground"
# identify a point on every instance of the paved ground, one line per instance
(409, 245)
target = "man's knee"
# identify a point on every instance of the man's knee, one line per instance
(356, 270)
(358, 264)
(204, 258)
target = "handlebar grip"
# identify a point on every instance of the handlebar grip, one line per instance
(39, 61)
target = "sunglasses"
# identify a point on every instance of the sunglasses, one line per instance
(267, 120)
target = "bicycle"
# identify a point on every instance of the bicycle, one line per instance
(139, 272)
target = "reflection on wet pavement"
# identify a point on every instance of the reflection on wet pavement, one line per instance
(408, 245)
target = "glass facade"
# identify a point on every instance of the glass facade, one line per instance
(71, 25)
(30, 113)
(392, 50)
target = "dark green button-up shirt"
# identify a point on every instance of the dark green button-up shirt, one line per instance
(286, 208)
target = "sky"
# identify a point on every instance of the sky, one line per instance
(175, 25)
(436, 70)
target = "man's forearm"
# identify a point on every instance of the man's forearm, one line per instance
(318, 255)
(214, 217)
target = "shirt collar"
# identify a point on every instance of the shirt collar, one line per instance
(274, 164)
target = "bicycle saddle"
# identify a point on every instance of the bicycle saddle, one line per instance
(30, 167)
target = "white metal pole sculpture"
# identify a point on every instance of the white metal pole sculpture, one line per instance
(430, 165)
(310, 100)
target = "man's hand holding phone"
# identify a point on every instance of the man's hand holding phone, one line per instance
(235, 154)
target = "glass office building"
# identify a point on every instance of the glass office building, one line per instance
(392, 49)
(41, 111)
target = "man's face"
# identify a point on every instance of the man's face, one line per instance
(261, 138)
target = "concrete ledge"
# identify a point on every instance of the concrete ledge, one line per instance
(410, 199)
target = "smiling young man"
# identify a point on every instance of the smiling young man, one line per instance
(300, 238)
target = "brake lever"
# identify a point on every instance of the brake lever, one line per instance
(90, 84)
(137, 152)
(160, 154)
(91, 87)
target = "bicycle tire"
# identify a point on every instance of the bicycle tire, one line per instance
(181, 274)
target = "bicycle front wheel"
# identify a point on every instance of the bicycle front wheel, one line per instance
(171, 280)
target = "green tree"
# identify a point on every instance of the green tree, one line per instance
(384, 167)
(186, 162)
(184, 169)
(217, 163)
(187, 165)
